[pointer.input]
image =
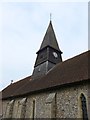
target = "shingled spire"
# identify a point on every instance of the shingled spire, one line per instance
(50, 39)
(48, 55)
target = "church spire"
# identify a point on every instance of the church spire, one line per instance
(50, 38)
(48, 55)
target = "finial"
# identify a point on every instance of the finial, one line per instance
(11, 81)
(50, 16)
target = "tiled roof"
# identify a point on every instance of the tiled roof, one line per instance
(73, 70)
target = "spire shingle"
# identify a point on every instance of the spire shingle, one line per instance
(50, 38)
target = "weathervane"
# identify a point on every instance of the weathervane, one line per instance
(50, 16)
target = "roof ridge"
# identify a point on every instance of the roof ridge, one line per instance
(67, 60)
(21, 79)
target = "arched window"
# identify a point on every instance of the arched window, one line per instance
(84, 107)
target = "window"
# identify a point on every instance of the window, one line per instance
(84, 107)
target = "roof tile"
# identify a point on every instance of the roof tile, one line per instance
(70, 71)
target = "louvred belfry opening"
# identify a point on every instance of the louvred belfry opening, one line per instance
(48, 55)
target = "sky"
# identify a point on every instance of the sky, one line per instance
(23, 25)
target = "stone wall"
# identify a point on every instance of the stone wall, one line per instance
(62, 103)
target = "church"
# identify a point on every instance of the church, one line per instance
(56, 88)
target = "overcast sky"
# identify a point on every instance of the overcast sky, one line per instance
(23, 26)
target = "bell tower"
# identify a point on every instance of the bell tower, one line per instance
(48, 55)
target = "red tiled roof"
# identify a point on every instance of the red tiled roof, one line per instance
(14, 87)
(70, 71)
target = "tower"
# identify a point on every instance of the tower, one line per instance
(48, 55)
